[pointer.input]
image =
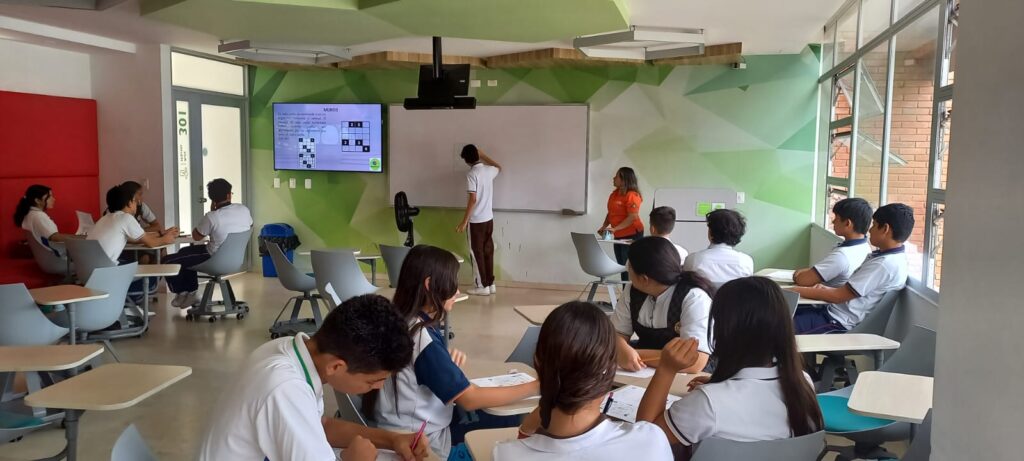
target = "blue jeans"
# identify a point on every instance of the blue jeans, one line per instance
(187, 280)
(810, 320)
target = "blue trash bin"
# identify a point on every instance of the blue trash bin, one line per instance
(282, 234)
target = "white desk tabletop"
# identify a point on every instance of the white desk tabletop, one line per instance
(187, 239)
(309, 252)
(615, 241)
(487, 368)
(46, 358)
(141, 247)
(461, 298)
(535, 314)
(844, 342)
(109, 387)
(679, 384)
(894, 396)
(481, 442)
(780, 276)
(63, 294)
(157, 270)
(368, 257)
(812, 302)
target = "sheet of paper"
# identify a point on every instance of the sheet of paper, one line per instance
(644, 373)
(510, 379)
(85, 223)
(626, 402)
(781, 276)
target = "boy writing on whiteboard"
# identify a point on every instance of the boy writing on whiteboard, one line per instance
(479, 217)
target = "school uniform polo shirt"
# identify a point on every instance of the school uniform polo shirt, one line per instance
(114, 231)
(720, 263)
(229, 219)
(270, 411)
(837, 267)
(39, 223)
(748, 407)
(608, 441)
(881, 272)
(693, 315)
(425, 390)
(480, 180)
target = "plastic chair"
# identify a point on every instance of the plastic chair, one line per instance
(594, 261)
(921, 447)
(393, 258)
(874, 323)
(87, 255)
(527, 347)
(23, 323)
(349, 409)
(792, 300)
(229, 259)
(130, 446)
(338, 276)
(48, 259)
(94, 318)
(294, 280)
(804, 448)
(916, 356)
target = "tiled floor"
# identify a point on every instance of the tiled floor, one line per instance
(172, 421)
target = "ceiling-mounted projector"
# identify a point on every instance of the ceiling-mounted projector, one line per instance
(442, 86)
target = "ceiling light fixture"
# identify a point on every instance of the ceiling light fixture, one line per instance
(287, 54)
(646, 43)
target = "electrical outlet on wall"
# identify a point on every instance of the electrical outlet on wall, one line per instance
(474, 83)
(291, 183)
(492, 83)
(741, 197)
(309, 183)
(277, 183)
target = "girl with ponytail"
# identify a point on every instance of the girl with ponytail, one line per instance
(575, 362)
(30, 214)
(758, 390)
(661, 302)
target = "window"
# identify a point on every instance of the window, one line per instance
(198, 73)
(890, 116)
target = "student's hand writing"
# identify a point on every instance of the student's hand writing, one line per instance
(458, 357)
(630, 360)
(401, 443)
(697, 382)
(679, 354)
(462, 227)
(359, 449)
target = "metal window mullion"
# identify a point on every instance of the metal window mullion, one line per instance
(917, 12)
(926, 272)
(854, 110)
(883, 194)
(944, 94)
(845, 121)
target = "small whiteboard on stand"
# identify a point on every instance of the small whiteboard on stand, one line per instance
(692, 204)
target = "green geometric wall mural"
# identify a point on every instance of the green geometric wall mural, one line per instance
(750, 130)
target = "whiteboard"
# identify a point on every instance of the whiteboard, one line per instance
(691, 230)
(542, 151)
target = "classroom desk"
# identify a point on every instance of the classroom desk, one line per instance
(487, 368)
(847, 342)
(679, 384)
(535, 314)
(67, 295)
(110, 387)
(481, 442)
(601, 239)
(146, 271)
(46, 358)
(769, 271)
(157, 250)
(894, 396)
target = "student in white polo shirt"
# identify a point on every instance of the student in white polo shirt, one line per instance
(758, 390)
(30, 214)
(429, 387)
(575, 362)
(662, 302)
(274, 408)
(118, 227)
(479, 216)
(850, 220)
(720, 262)
(883, 271)
(663, 221)
(223, 219)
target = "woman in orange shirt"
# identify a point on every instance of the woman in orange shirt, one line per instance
(623, 217)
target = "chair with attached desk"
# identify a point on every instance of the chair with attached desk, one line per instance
(228, 259)
(340, 270)
(393, 258)
(94, 318)
(804, 448)
(594, 261)
(294, 280)
(527, 347)
(48, 259)
(792, 300)
(24, 324)
(874, 323)
(916, 356)
(130, 446)
(87, 255)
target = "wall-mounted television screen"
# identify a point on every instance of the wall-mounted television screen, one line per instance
(328, 137)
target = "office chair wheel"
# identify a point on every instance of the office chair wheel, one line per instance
(274, 336)
(245, 308)
(240, 316)
(213, 319)
(188, 317)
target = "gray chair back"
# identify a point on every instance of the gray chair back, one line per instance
(803, 448)
(98, 314)
(527, 347)
(349, 409)
(916, 355)
(87, 255)
(921, 447)
(792, 301)
(393, 258)
(290, 277)
(131, 447)
(47, 258)
(593, 260)
(337, 273)
(230, 256)
(23, 324)
(876, 320)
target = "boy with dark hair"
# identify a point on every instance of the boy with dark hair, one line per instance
(224, 218)
(274, 409)
(479, 216)
(883, 271)
(663, 221)
(851, 219)
(720, 262)
(118, 227)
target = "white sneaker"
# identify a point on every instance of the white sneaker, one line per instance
(178, 298)
(494, 289)
(479, 291)
(190, 300)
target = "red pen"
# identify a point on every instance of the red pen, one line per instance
(416, 440)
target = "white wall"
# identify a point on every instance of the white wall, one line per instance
(29, 68)
(978, 365)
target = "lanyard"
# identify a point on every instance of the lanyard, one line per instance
(303, 363)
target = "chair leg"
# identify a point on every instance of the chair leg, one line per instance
(110, 348)
(314, 304)
(593, 291)
(204, 304)
(611, 294)
(296, 307)
(227, 294)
